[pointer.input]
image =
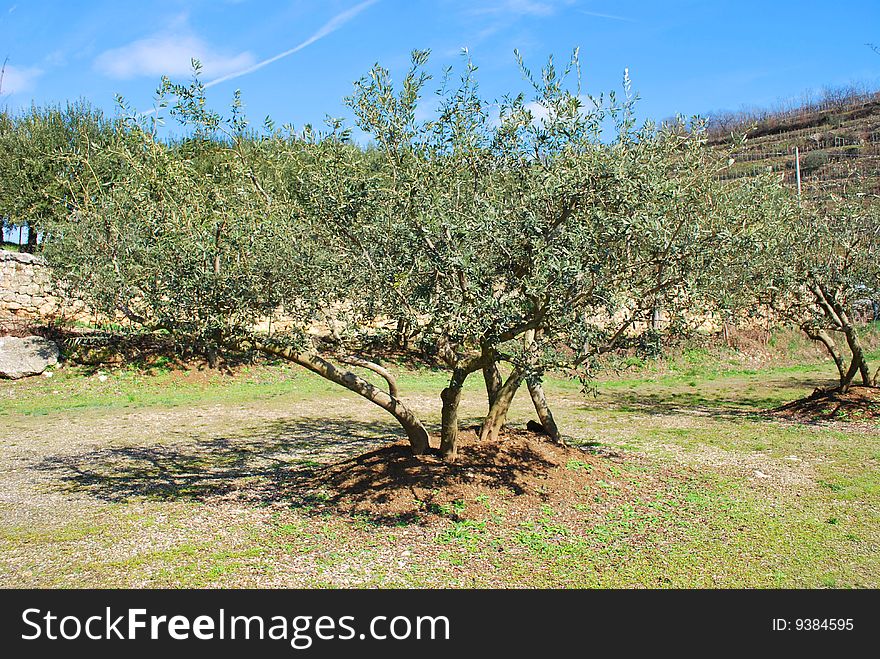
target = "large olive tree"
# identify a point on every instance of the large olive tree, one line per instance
(204, 236)
(534, 232)
(540, 231)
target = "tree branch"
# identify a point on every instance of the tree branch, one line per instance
(823, 337)
(416, 432)
(393, 390)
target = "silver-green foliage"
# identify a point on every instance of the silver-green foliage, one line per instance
(35, 162)
(815, 263)
(536, 230)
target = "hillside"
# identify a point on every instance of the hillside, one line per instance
(838, 138)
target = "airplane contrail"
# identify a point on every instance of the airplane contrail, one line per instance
(329, 27)
(609, 16)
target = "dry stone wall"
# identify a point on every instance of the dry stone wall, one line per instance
(26, 290)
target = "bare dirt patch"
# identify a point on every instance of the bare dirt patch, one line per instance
(857, 404)
(525, 467)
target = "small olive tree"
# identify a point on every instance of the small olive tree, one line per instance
(815, 261)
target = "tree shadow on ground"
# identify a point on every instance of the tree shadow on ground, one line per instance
(391, 483)
(266, 461)
(315, 465)
(725, 404)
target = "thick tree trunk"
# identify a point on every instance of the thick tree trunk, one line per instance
(415, 430)
(536, 390)
(451, 397)
(31, 245)
(859, 362)
(836, 313)
(867, 380)
(491, 376)
(849, 377)
(497, 416)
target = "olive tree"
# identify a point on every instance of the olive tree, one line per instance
(539, 231)
(532, 233)
(203, 236)
(33, 163)
(816, 260)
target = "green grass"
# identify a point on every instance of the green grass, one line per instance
(687, 379)
(705, 491)
(73, 388)
(702, 532)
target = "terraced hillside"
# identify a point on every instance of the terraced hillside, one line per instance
(838, 139)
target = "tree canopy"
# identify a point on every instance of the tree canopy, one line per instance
(37, 148)
(814, 264)
(534, 232)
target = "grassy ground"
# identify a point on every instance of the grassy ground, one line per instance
(168, 478)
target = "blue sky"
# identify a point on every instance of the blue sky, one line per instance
(296, 59)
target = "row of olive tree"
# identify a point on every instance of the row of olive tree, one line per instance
(532, 233)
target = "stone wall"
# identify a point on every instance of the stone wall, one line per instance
(26, 289)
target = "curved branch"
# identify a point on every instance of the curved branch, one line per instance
(351, 360)
(823, 337)
(415, 430)
(131, 315)
(825, 305)
(497, 416)
(539, 400)
(536, 391)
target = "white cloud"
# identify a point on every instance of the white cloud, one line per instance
(249, 67)
(539, 111)
(169, 54)
(55, 58)
(529, 8)
(488, 18)
(17, 80)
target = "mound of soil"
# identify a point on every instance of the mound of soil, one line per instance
(857, 404)
(523, 468)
